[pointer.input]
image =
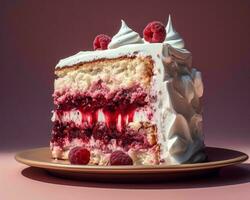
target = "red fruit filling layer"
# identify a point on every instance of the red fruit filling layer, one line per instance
(118, 108)
(127, 138)
(100, 97)
(69, 130)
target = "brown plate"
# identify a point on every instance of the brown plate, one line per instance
(217, 158)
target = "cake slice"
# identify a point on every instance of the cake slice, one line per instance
(136, 98)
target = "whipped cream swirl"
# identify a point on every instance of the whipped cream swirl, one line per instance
(173, 38)
(124, 36)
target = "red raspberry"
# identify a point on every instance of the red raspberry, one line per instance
(120, 158)
(154, 32)
(101, 42)
(79, 156)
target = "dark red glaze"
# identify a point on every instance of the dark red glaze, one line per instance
(79, 156)
(120, 158)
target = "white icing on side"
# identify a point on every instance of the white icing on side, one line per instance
(125, 36)
(173, 38)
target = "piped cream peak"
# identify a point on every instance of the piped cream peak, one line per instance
(124, 36)
(173, 38)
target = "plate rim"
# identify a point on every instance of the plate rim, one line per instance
(130, 169)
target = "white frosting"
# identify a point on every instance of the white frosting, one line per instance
(125, 36)
(127, 50)
(68, 116)
(76, 116)
(177, 111)
(173, 38)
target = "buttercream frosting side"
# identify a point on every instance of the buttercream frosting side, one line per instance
(177, 107)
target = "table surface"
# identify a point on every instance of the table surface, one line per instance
(18, 181)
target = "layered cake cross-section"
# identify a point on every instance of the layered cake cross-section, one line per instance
(130, 101)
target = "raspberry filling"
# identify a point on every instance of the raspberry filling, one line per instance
(127, 138)
(118, 106)
(100, 97)
(116, 109)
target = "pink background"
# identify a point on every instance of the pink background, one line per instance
(34, 35)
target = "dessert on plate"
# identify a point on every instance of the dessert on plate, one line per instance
(130, 101)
